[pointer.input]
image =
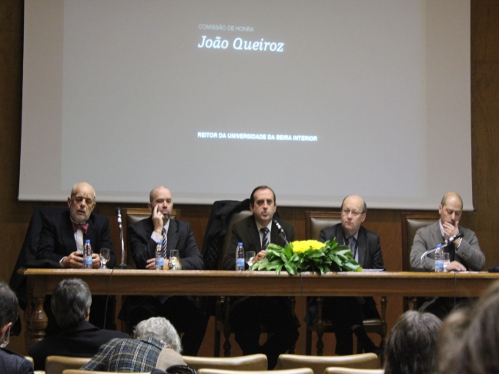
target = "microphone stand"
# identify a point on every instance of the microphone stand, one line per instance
(442, 246)
(281, 232)
(122, 265)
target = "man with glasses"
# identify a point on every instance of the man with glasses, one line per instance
(347, 313)
(464, 253)
(61, 241)
(63, 235)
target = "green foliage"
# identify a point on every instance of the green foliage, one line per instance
(331, 257)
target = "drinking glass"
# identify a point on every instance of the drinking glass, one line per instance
(174, 259)
(105, 255)
(248, 256)
(446, 258)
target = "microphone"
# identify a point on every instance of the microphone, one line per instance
(120, 226)
(441, 245)
(281, 232)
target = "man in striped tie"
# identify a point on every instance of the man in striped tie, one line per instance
(249, 313)
(143, 236)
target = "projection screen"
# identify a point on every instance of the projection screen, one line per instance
(317, 99)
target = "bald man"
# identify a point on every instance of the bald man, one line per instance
(348, 313)
(63, 234)
(143, 236)
(465, 253)
(62, 238)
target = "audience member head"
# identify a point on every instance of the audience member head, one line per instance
(160, 329)
(412, 344)
(353, 213)
(263, 204)
(162, 198)
(71, 302)
(81, 202)
(475, 348)
(9, 311)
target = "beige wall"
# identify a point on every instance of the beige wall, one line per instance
(14, 215)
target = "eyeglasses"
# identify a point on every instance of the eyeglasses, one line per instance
(353, 212)
(80, 199)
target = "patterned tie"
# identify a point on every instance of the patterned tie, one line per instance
(163, 244)
(80, 226)
(352, 243)
(265, 238)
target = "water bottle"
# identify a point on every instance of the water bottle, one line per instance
(87, 255)
(160, 259)
(439, 259)
(239, 257)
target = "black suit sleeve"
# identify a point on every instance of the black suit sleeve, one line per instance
(48, 243)
(190, 257)
(142, 247)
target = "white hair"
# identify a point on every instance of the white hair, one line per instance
(161, 329)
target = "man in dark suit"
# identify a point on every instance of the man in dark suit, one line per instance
(347, 313)
(143, 237)
(248, 314)
(61, 241)
(10, 362)
(63, 234)
(70, 305)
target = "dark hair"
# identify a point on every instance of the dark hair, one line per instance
(252, 197)
(412, 344)
(475, 350)
(70, 301)
(9, 307)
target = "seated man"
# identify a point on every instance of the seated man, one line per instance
(62, 237)
(465, 253)
(347, 313)
(248, 313)
(71, 303)
(10, 362)
(156, 345)
(142, 238)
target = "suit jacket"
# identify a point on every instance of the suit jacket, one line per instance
(469, 253)
(82, 340)
(57, 237)
(12, 363)
(179, 237)
(246, 231)
(368, 246)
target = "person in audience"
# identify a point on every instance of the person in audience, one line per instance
(62, 238)
(470, 338)
(143, 237)
(10, 362)
(412, 344)
(347, 313)
(249, 313)
(70, 304)
(465, 253)
(156, 345)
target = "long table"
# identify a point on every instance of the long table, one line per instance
(41, 282)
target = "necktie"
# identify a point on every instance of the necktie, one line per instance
(265, 238)
(352, 243)
(80, 226)
(163, 244)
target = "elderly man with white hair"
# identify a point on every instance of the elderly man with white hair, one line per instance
(156, 345)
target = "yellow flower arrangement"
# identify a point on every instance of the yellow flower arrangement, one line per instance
(308, 255)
